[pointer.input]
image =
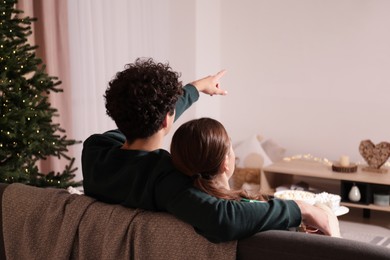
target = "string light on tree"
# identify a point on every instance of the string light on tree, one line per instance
(27, 133)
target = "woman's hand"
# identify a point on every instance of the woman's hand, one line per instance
(314, 217)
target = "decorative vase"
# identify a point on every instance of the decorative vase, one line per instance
(354, 193)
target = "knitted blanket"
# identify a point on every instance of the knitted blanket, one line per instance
(50, 223)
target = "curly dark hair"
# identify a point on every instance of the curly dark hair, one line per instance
(139, 97)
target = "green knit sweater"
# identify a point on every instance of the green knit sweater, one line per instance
(148, 180)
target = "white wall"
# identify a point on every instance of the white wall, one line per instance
(311, 74)
(195, 33)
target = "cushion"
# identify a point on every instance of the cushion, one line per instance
(274, 151)
(250, 154)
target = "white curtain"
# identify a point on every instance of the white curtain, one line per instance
(50, 34)
(104, 35)
(85, 42)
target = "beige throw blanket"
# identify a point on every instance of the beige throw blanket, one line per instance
(50, 223)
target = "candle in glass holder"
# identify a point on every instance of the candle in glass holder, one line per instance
(344, 161)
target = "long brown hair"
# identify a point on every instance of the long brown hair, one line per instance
(199, 148)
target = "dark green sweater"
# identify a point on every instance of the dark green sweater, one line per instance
(148, 180)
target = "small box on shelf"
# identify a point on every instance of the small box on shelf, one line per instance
(364, 189)
(380, 195)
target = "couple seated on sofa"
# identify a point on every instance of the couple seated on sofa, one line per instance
(128, 166)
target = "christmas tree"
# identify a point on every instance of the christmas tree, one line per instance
(27, 132)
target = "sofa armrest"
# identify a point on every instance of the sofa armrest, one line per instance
(275, 244)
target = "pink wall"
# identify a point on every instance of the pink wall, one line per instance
(311, 74)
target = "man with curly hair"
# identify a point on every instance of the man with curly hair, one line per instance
(129, 167)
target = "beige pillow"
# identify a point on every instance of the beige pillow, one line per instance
(274, 151)
(250, 154)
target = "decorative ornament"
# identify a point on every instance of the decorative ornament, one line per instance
(336, 167)
(343, 165)
(374, 155)
(354, 193)
(325, 161)
(308, 157)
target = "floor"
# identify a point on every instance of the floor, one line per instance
(374, 230)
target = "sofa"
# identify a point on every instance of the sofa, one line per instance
(48, 223)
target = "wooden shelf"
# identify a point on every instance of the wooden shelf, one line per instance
(286, 172)
(320, 170)
(364, 206)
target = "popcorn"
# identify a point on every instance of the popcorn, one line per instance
(306, 196)
(331, 200)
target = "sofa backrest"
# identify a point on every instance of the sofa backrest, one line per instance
(49, 223)
(2, 252)
(271, 244)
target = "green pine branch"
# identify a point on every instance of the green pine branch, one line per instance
(27, 131)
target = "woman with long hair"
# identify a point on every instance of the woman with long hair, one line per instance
(202, 149)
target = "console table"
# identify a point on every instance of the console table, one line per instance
(289, 172)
